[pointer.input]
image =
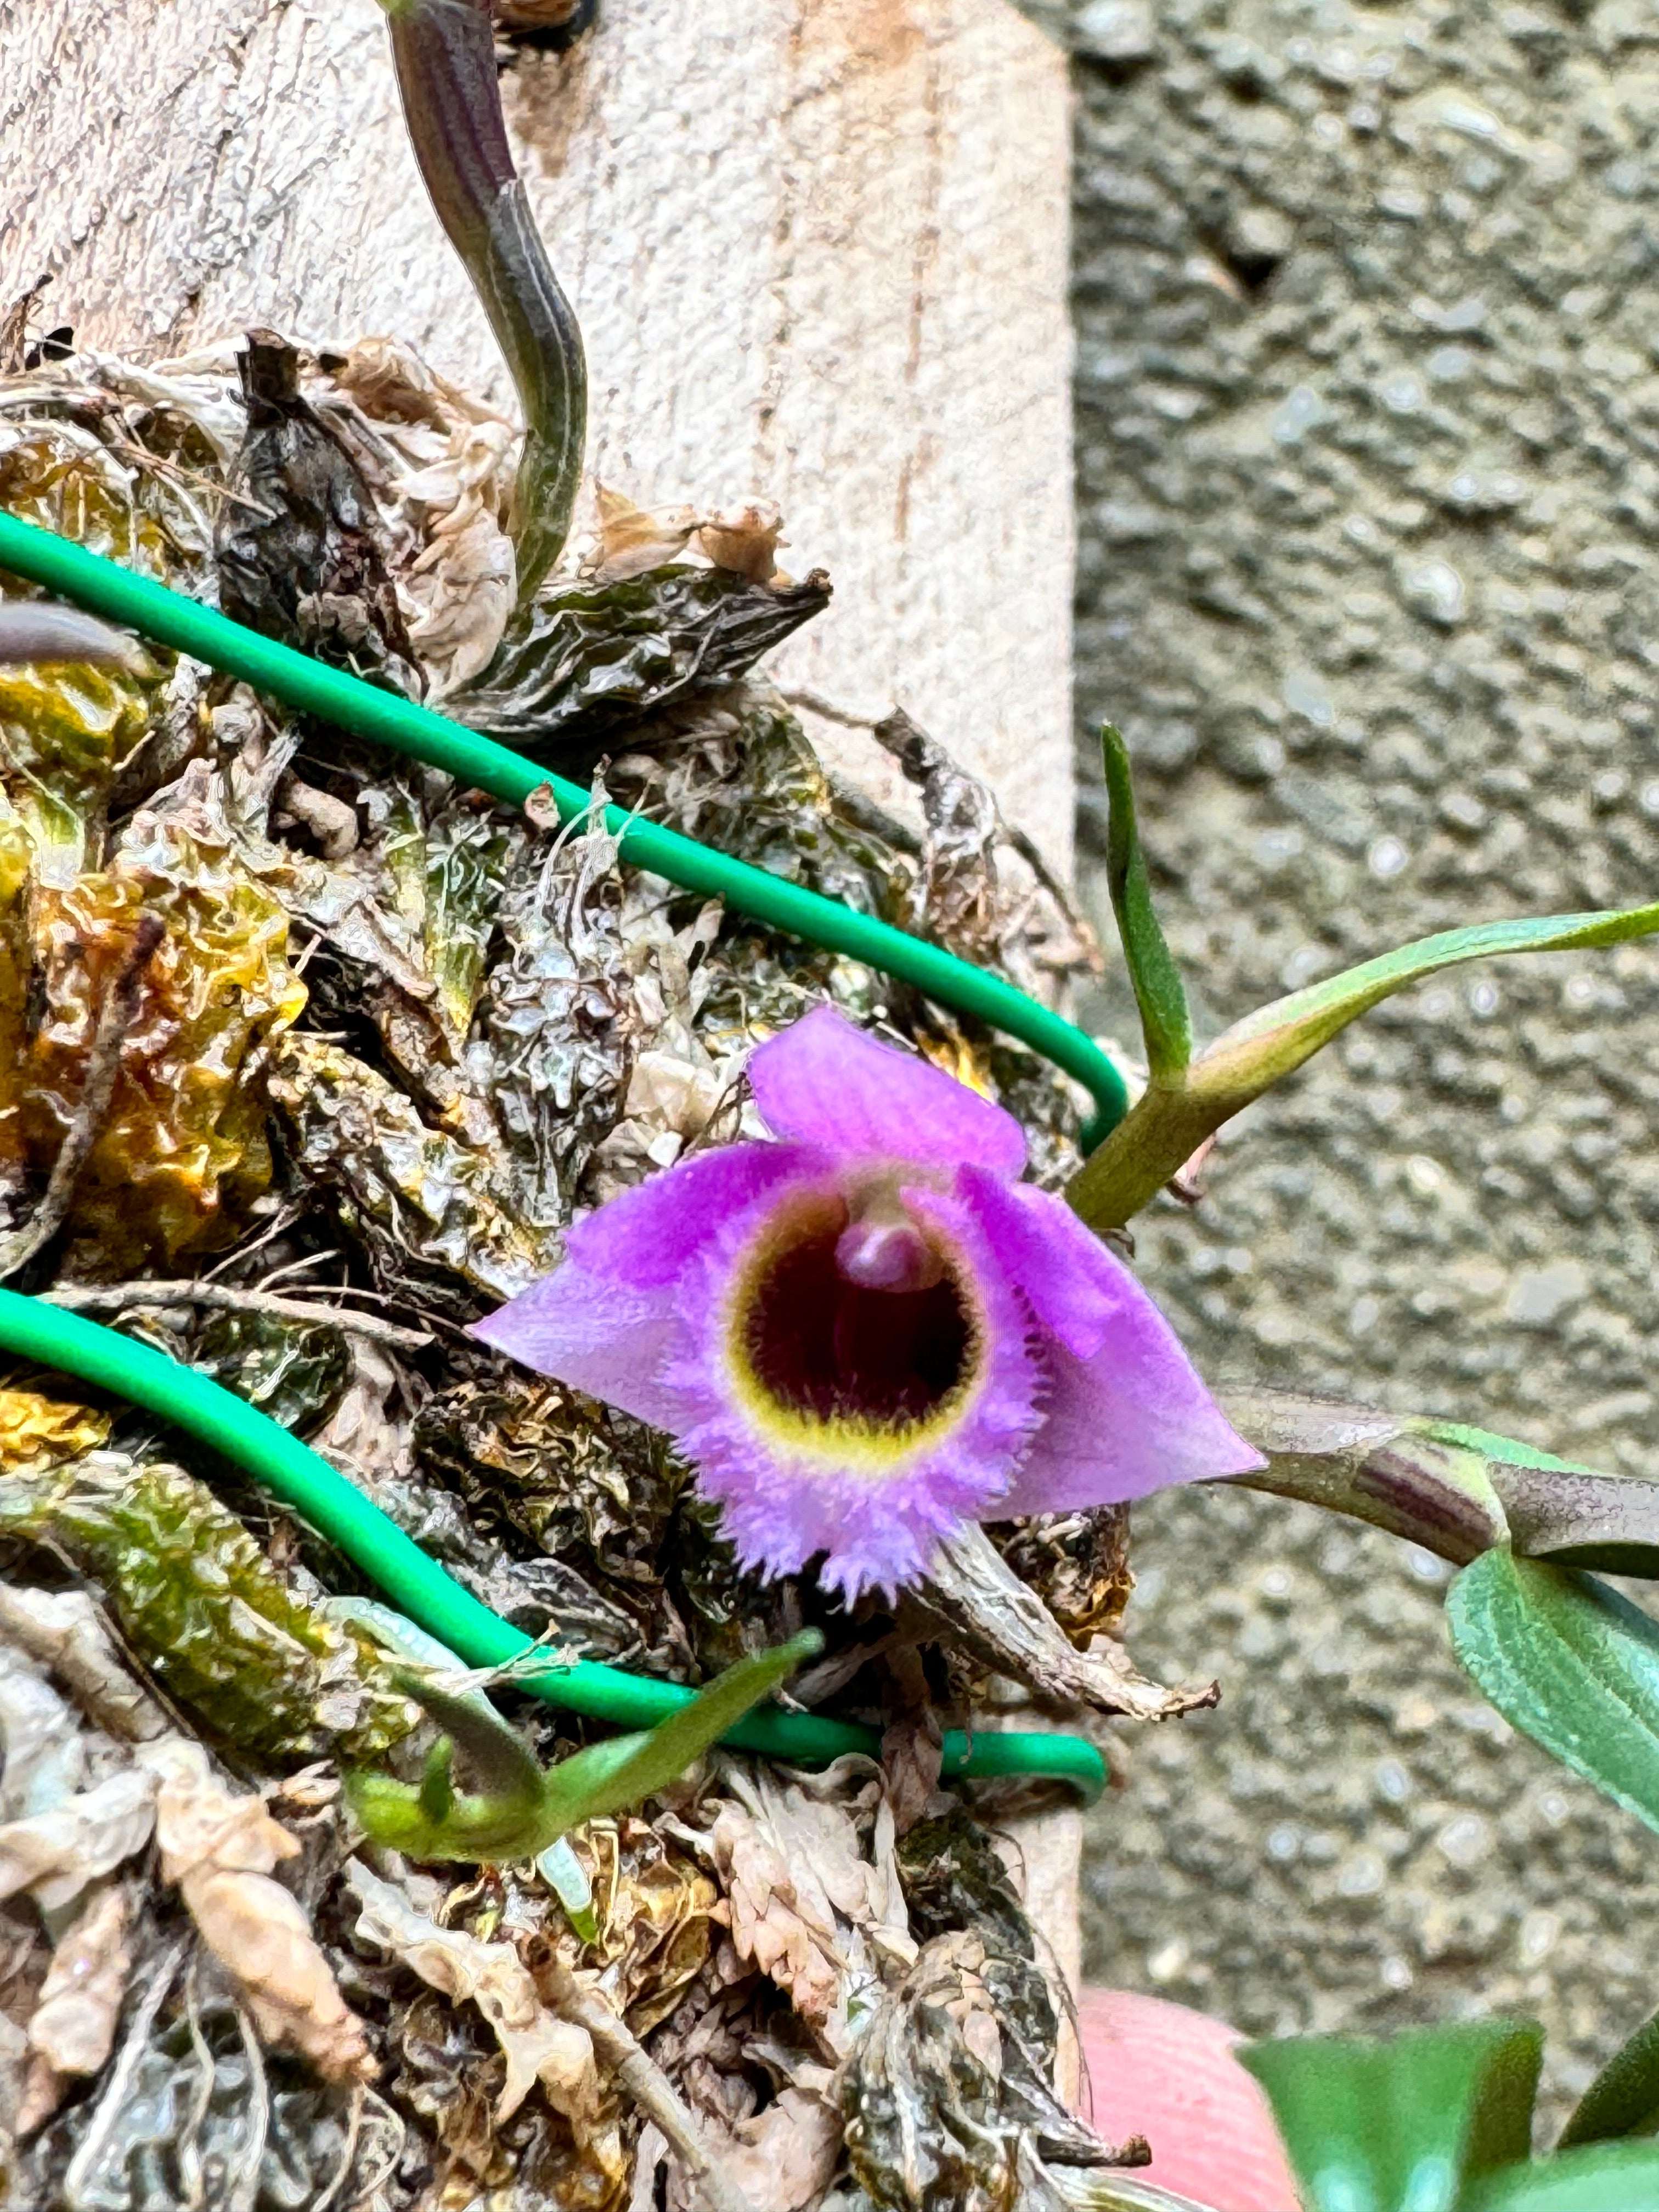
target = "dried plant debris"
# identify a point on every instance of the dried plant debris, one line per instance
(596, 659)
(386, 1042)
(197, 1597)
(299, 551)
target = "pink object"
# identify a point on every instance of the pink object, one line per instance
(870, 1331)
(1158, 2071)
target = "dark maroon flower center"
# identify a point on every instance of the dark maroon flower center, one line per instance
(840, 1350)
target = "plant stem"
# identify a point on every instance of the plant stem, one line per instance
(231, 1298)
(644, 2080)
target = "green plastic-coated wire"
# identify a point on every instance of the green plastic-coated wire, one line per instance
(334, 1507)
(107, 589)
(337, 1509)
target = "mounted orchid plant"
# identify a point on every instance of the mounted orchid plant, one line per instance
(866, 1330)
(869, 1329)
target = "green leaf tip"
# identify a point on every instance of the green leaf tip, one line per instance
(524, 1808)
(1569, 1663)
(1624, 2098)
(1167, 1125)
(1404, 2125)
(1165, 1024)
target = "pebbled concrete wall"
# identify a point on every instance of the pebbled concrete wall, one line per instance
(1368, 417)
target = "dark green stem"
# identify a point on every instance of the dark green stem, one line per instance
(444, 52)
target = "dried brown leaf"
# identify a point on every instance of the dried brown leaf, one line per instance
(805, 1906)
(745, 538)
(72, 2028)
(54, 1855)
(37, 1433)
(538, 2046)
(975, 1597)
(959, 900)
(424, 1195)
(389, 380)
(464, 581)
(221, 1848)
(633, 538)
(64, 1630)
(785, 2156)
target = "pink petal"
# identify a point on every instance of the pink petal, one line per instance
(825, 1082)
(1134, 1418)
(599, 1335)
(608, 1319)
(1156, 2069)
(648, 1236)
(1076, 1287)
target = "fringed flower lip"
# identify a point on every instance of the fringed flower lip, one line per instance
(870, 1330)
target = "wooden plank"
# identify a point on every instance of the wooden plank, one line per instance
(817, 246)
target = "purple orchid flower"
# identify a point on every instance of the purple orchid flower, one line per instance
(869, 1331)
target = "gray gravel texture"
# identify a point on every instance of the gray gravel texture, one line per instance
(1367, 427)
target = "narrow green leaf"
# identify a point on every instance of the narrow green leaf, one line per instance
(438, 1783)
(501, 1760)
(425, 1821)
(1156, 980)
(1405, 2125)
(1612, 2177)
(530, 1808)
(1624, 2098)
(592, 1784)
(1270, 1042)
(1569, 1663)
(1166, 1126)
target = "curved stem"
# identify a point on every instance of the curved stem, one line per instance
(444, 54)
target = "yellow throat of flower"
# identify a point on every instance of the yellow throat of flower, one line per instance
(856, 1378)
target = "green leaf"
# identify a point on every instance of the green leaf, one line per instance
(1612, 2177)
(608, 1776)
(1624, 2098)
(1405, 2125)
(1159, 993)
(1569, 1663)
(1167, 1125)
(1269, 1043)
(566, 1876)
(527, 1809)
(499, 1756)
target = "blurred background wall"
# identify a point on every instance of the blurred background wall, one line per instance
(1367, 420)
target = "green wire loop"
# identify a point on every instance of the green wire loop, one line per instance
(337, 1510)
(386, 718)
